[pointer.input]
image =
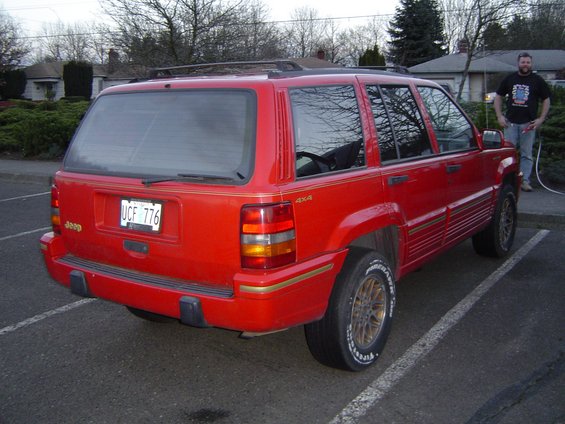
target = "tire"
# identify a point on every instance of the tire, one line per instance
(354, 330)
(496, 240)
(150, 316)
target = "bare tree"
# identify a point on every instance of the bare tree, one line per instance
(355, 41)
(455, 14)
(60, 41)
(147, 31)
(260, 39)
(176, 32)
(468, 20)
(12, 47)
(244, 34)
(304, 35)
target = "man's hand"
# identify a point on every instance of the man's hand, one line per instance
(536, 123)
(502, 121)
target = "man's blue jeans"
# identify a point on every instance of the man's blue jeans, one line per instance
(525, 142)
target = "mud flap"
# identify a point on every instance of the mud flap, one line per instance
(191, 312)
(79, 286)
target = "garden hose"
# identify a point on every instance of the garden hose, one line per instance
(537, 170)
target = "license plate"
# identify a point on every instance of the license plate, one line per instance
(141, 215)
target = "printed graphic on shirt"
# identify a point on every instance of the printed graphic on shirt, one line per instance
(520, 95)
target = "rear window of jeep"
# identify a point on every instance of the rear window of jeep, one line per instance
(167, 133)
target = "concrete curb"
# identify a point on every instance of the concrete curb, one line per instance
(27, 178)
(541, 221)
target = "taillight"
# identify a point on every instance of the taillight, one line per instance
(55, 218)
(267, 236)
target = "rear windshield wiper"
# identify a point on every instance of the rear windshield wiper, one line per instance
(195, 177)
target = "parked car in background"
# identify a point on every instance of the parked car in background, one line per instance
(262, 196)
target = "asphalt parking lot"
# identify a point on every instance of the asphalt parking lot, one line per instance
(474, 340)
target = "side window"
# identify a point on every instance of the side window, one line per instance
(453, 131)
(327, 129)
(400, 128)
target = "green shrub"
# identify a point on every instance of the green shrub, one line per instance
(555, 172)
(74, 99)
(9, 120)
(42, 131)
(48, 105)
(8, 143)
(25, 104)
(482, 114)
(13, 115)
(553, 144)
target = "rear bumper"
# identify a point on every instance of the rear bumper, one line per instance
(259, 301)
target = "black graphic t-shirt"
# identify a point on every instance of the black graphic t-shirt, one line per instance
(524, 94)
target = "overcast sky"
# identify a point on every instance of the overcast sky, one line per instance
(31, 14)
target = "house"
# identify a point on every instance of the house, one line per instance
(45, 80)
(486, 69)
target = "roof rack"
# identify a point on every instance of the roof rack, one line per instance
(225, 68)
(391, 68)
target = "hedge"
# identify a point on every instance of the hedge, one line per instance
(40, 129)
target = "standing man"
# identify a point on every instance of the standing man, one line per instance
(524, 90)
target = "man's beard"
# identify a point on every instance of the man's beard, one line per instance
(524, 70)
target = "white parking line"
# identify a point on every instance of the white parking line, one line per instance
(25, 197)
(359, 406)
(41, 317)
(25, 233)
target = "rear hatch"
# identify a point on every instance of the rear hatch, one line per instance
(152, 182)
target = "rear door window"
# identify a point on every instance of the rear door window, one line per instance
(141, 134)
(327, 129)
(400, 128)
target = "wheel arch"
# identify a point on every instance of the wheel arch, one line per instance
(512, 179)
(384, 241)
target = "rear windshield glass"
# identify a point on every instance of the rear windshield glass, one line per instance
(145, 134)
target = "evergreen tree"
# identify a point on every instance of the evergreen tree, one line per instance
(518, 34)
(495, 37)
(416, 33)
(78, 79)
(372, 57)
(12, 84)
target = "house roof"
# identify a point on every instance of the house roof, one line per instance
(54, 70)
(492, 62)
(45, 70)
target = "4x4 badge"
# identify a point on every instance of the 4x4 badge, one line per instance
(304, 199)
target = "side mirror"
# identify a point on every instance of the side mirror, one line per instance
(492, 139)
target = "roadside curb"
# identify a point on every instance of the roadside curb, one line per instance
(541, 221)
(26, 177)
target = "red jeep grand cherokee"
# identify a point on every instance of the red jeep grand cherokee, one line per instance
(275, 198)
